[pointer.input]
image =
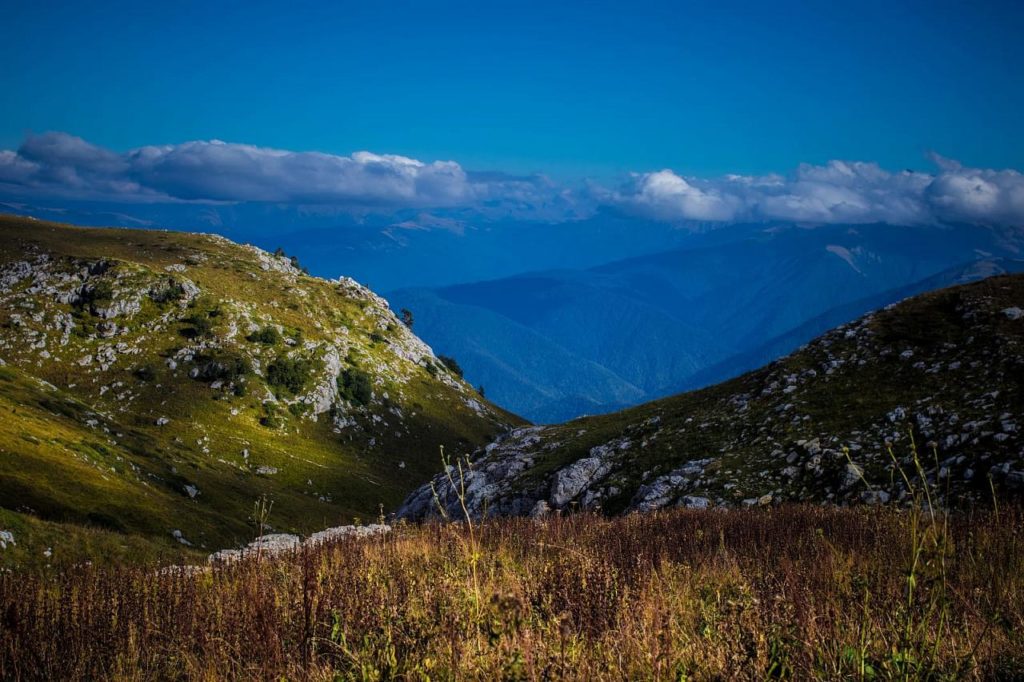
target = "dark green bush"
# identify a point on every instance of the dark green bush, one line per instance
(451, 364)
(268, 336)
(101, 292)
(354, 385)
(95, 295)
(270, 418)
(199, 326)
(289, 374)
(226, 367)
(170, 291)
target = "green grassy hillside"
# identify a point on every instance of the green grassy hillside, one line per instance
(154, 385)
(945, 368)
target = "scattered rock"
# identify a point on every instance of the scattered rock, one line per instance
(275, 544)
(852, 475)
(540, 510)
(874, 497)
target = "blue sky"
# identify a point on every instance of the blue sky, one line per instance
(568, 89)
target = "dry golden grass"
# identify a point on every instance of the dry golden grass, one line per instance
(792, 592)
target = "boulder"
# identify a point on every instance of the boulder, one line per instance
(575, 478)
(851, 475)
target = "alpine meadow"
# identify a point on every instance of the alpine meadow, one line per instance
(512, 341)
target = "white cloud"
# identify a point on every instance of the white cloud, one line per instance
(667, 195)
(837, 192)
(64, 165)
(233, 172)
(58, 166)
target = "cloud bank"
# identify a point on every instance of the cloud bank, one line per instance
(61, 166)
(838, 192)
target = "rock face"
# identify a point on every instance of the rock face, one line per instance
(574, 479)
(831, 424)
(485, 486)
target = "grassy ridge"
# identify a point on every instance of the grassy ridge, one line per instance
(786, 593)
(839, 406)
(225, 375)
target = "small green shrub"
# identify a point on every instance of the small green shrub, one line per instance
(226, 367)
(407, 318)
(101, 292)
(199, 326)
(451, 364)
(268, 336)
(170, 291)
(270, 418)
(289, 374)
(354, 385)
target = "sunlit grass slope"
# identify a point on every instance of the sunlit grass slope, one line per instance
(155, 382)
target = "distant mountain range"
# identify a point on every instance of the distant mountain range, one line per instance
(392, 249)
(553, 345)
(561, 316)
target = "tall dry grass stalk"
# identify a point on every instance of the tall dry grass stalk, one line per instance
(791, 592)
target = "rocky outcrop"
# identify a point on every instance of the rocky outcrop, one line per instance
(663, 490)
(483, 486)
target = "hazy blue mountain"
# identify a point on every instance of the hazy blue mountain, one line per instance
(786, 343)
(517, 364)
(689, 315)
